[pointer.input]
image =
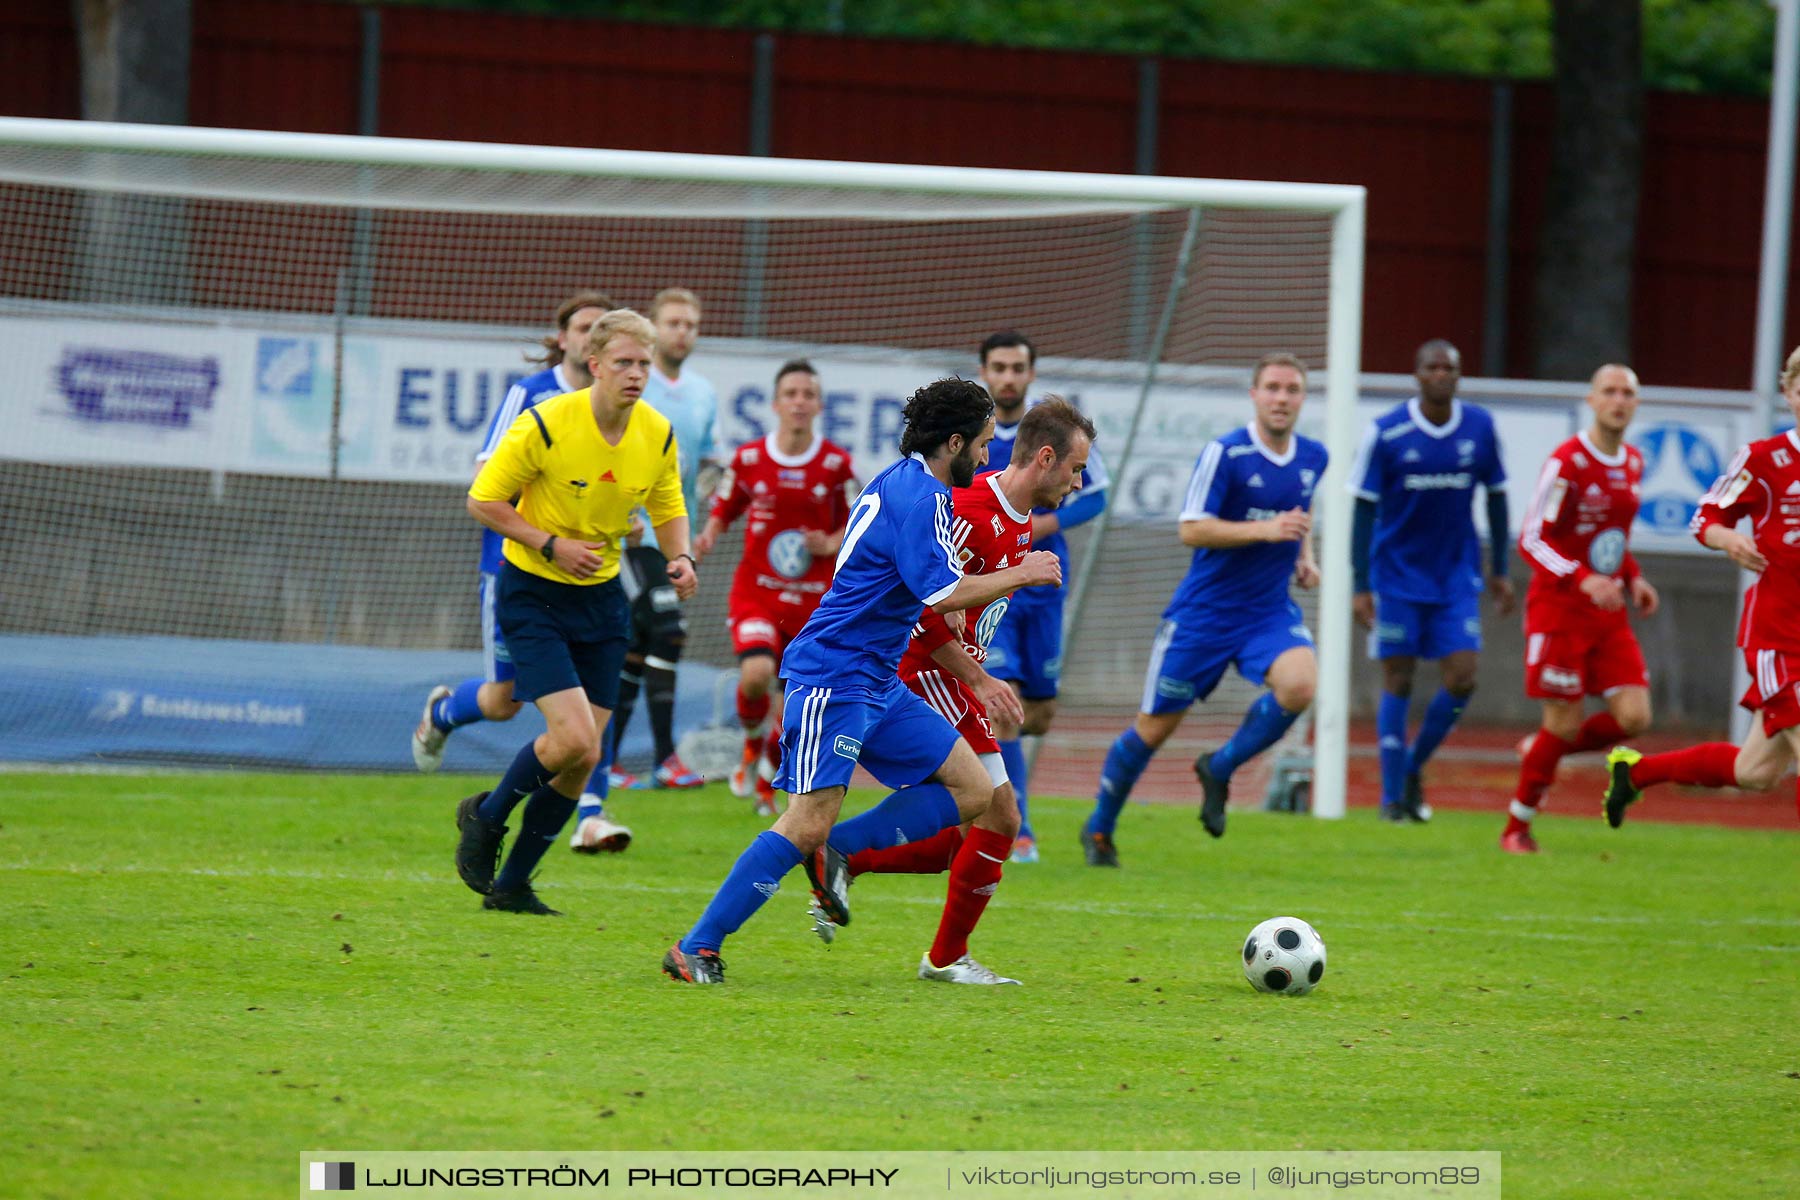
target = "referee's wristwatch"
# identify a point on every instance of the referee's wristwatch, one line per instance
(548, 549)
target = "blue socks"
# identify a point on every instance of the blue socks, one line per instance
(908, 815)
(1445, 708)
(755, 877)
(1012, 754)
(1262, 727)
(459, 708)
(545, 814)
(525, 776)
(1390, 732)
(1124, 763)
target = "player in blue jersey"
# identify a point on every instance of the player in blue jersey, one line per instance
(1248, 515)
(1418, 563)
(845, 703)
(658, 629)
(1027, 647)
(490, 697)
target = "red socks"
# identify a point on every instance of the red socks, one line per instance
(973, 878)
(932, 856)
(1598, 732)
(1710, 764)
(1539, 767)
(752, 712)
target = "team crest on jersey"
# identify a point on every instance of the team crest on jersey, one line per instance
(788, 554)
(999, 526)
(1307, 476)
(1579, 458)
(752, 455)
(833, 461)
(1782, 458)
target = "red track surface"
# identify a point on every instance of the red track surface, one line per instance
(1476, 769)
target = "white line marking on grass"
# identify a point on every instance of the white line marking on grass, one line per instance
(1448, 924)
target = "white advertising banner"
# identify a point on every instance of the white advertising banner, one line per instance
(259, 395)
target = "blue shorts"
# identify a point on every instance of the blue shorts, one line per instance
(495, 657)
(1027, 648)
(825, 732)
(563, 635)
(1420, 629)
(1189, 656)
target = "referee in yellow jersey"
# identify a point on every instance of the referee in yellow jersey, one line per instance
(560, 489)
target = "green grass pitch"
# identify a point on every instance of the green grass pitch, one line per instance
(204, 975)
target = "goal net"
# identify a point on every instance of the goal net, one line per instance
(248, 374)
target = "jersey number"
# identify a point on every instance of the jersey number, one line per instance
(861, 517)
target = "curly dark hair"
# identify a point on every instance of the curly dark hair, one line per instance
(939, 410)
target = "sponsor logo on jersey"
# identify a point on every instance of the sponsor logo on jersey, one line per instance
(1444, 481)
(788, 554)
(1606, 553)
(990, 621)
(845, 746)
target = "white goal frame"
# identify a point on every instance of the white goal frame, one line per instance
(1344, 205)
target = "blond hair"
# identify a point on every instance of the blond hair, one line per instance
(1791, 371)
(673, 295)
(620, 322)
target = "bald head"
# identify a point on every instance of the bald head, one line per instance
(1438, 368)
(1615, 374)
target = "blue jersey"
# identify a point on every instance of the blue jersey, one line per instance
(520, 396)
(692, 407)
(1240, 479)
(898, 556)
(1422, 479)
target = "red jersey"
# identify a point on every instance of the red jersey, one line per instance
(1579, 524)
(989, 535)
(786, 495)
(1763, 483)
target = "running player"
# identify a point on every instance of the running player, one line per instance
(490, 698)
(1248, 515)
(1762, 484)
(844, 703)
(1027, 647)
(797, 488)
(1578, 639)
(992, 531)
(1414, 479)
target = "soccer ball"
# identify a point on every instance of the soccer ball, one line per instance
(1284, 955)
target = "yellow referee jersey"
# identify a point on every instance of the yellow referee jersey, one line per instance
(571, 483)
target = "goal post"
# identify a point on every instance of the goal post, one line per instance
(222, 330)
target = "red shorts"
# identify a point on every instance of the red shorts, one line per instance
(1590, 662)
(954, 702)
(761, 623)
(1774, 688)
